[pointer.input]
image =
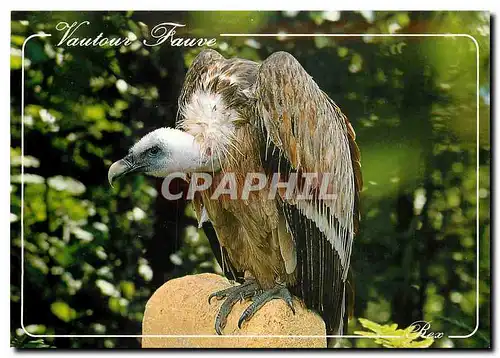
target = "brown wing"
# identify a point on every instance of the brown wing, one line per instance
(305, 131)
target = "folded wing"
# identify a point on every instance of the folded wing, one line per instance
(303, 131)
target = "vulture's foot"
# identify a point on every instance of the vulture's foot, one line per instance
(261, 298)
(232, 295)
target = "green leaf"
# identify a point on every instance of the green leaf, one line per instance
(94, 112)
(17, 40)
(28, 179)
(128, 289)
(15, 61)
(63, 311)
(66, 184)
(404, 338)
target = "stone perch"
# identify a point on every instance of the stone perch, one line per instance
(180, 307)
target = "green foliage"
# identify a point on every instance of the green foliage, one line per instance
(62, 311)
(94, 254)
(24, 343)
(406, 338)
(20, 339)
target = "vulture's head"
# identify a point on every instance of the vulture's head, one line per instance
(162, 152)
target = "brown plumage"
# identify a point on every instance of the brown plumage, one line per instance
(238, 117)
(275, 119)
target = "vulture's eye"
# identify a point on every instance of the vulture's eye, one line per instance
(154, 150)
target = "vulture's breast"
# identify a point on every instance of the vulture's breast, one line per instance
(252, 230)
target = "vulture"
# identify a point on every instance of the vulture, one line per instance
(238, 116)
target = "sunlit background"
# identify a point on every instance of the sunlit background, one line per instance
(94, 254)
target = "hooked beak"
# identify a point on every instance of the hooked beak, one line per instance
(119, 169)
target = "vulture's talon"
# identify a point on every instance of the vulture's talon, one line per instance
(260, 299)
(219, 295)
(232, 295)
(285, 294)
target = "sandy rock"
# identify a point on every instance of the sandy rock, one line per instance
(180, 307)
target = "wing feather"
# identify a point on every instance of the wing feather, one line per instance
(304, 131)
(311, 132)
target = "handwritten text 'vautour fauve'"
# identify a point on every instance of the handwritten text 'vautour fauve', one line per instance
(161, 33)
